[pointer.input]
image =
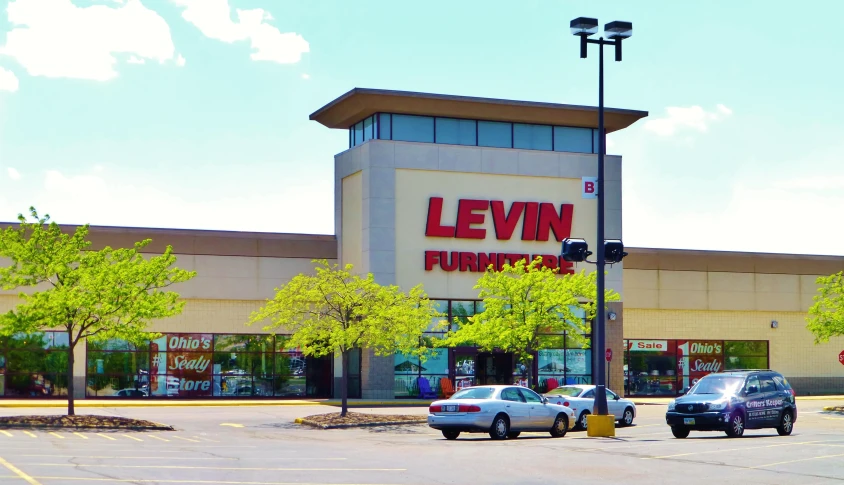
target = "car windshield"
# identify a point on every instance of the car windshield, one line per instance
(474, 393)
(565, 391)
(718, 385)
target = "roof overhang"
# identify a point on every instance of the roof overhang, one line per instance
(360, 103)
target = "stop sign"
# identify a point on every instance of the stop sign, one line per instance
(609, 356)
(841, 357)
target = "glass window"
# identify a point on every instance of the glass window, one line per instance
(565, 391)
(475, 393)
(351, 137)
(456, 132)
(568, 139)
(768, 384)
(413, 128)
(531, 137)
(243, 343)
(374, 126)
(747, 347)
(367, 129)
(359, 133)
(385, 126)
(495, 134)
(590, 394)
(512, 394)
(596, 142)
(530, 396)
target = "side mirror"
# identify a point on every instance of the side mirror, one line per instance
(544, 400)
(752, 389)
(617, 397)
(685, 391)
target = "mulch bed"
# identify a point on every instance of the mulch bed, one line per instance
(835, 409)
(81, 422)
(357, 420)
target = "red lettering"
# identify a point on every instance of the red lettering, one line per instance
(469, 262)
(529, 223)
(550, 220)
(434, 227)
(485, 260)
(431, 258)
(549, 261)
(448, 264)
(505, 225)
(589, 187)
(466, 218)
(502, 260)
(566, 267)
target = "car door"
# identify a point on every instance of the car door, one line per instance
(773, 401)
(541, 416)
(755, 403)
(516, 407)
(587, 401)
(614, 405)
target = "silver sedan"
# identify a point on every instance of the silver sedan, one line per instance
(502, 411)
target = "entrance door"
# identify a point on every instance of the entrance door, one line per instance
(318, 374)
(493, 368)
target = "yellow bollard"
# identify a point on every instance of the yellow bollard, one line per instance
(600, 426)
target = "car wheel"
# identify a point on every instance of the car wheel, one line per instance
(561, 426)
(736, 427)
(680, 432)
(627, 418)
(512, 436)
(786, 424)
(451, 434)
(500, 427)
(581, 421)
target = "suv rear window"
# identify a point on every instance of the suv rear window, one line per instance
(782, 382)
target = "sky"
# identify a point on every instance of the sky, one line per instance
(194, 113)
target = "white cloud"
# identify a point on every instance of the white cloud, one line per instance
(8, 80)
(13, 174)
(181, 61)
(135, 60)
(679, 118)
(55, 38)
(213, 18)
(306, 76)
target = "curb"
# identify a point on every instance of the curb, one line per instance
(834, 409)
(307, 422)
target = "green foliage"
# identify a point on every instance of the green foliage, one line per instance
(826, 316)
(336, 311)
(110, 293)
(523, 304)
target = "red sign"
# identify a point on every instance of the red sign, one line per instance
(539, 220)
(609, 355)
(841, 357)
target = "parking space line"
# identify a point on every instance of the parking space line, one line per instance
(135, 457)
(56, 435)
(106, 437)
(12, 468)
(796, 461)
(205, 439)
(182, 467)
(199, 482)
(131, 437)
(186, 439)
(30, 434)
(158, 437)
(10, 435)
(724, 450)
(80, 435)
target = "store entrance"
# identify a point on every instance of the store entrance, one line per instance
(493, 368)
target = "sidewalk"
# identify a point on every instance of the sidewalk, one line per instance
(130, 403)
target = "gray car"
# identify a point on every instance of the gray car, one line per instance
(502, 411)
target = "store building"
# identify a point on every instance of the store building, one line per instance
(432, 189)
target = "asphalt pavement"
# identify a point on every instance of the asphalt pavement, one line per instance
(260, 445)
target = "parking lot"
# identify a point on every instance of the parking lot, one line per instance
(262, 445)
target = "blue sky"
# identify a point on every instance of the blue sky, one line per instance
(194, 113)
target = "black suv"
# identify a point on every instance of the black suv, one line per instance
(733, 401)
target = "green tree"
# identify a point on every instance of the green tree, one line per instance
(335, 311)
(524, 305)
(110, 293)
(826, 316)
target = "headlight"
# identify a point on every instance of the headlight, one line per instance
(718, 406)
(671, 405)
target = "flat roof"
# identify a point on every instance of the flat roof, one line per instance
(360, 103)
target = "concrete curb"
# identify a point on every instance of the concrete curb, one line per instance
(314, 424)
(834, 409)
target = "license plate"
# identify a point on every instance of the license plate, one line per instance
(450, 408)
(688, 421)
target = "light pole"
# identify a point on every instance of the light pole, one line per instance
(584, 27)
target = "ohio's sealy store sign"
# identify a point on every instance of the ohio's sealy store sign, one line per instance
(539, 221)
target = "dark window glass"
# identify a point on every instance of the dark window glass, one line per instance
(359, 133)
(413, 128)
(531, 137)
(495, 134)
(243, 343)
(746, 348)
(385, 126)
(596, 142)
(351, 137)
(117, 362)
(456, 132)
(739, 362)
(568, 139)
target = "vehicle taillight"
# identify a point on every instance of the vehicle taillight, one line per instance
(793, 394)
(566, 403)
(435, 409)
(467, 408)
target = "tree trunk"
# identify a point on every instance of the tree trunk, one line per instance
(70, 346)
(344, 385)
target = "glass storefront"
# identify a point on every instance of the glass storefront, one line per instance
(34, 365)
(666, 367)
(201, 365)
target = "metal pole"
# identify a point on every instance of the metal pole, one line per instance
(600, 391)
